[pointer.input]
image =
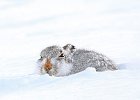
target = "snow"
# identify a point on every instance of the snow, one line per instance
(109, 27)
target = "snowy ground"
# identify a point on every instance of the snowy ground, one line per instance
(106, 26)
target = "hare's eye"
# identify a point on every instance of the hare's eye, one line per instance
(62, 55)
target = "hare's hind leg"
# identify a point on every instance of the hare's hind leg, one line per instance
(112, 67)
(105, 65)
(99, 69)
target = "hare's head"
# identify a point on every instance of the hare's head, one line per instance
(51, 65)
(51, 52)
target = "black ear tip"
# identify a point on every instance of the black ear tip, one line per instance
(73, 47)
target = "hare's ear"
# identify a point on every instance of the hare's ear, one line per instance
(69, 46)
(73, 47)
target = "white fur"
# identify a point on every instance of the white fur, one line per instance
(66, 52)
(42, 70)
(60, 68)
(63, 68)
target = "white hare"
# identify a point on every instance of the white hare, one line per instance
(71, 61)
(53, 52)
(48, 52)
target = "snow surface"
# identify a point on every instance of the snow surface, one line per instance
(106, 26)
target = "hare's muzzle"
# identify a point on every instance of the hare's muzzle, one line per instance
(47, 64)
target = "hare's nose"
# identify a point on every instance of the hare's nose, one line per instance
(49, 66)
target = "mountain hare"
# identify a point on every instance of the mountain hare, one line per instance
(53, 52)
(48, 52)
(71, 61)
